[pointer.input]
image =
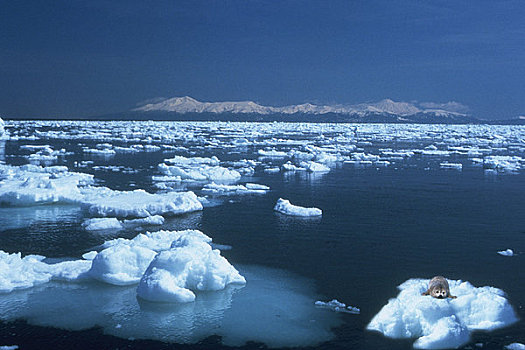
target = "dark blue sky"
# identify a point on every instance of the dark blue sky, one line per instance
(79, 58)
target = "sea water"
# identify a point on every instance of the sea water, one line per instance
(393, 209)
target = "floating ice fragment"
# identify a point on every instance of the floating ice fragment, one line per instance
(197, 169)
(99, 224)
(20, 273)
(337, 306)
(142, 204)
(159, 240)
(121, 264)
(33, 185)
(515, 346)
(190, 265)
(503, 163)
(442, 323)
(8, 347)
(314, 167)
(447, 165)
(288, 166)
(285, 207)
(507, 252)
(235, 189)
(273, 170)
(150, 220)
(271, 153)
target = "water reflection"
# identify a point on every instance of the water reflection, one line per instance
(275, 307)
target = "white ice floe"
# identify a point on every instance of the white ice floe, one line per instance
(314, 167)
(507, 252)
(170, 265)
(20, 273)
(515, 346)
(337, 306)
(104, 152)
(102, 224)
(442, 323)
(8, 347)
(150, 220)
(504, 163)
(272, 153)
(33, 185)
(447, 165)
(272, 170)
(235, 189)
(142, 204)
(3, 133)
(288, 166)
(285, 207)
(190, 265)
(117, 311)
(159, 240)
(121, 264)
(185, 169)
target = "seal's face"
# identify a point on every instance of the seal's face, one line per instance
(439, 292)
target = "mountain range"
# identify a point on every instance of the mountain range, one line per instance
(184, 108)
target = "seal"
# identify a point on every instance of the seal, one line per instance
(438, 288)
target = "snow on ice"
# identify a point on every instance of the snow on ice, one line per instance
(170, 266)
(442, 323)
(284, 206)
(507, 252)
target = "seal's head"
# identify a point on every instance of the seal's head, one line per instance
(439, 291)
(438, 288)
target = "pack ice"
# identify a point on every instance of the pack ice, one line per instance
(285, 207)
(2, 129)
(442, 323)
(170, 266)
(29, 185)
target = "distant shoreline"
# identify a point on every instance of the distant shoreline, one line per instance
(191, 117)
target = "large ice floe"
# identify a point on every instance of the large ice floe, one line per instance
(170, 263)
(197, 169)
(237, 314)
(182, 283)
(189, 265)
(442, 323)
(284, 206)
(30, 185)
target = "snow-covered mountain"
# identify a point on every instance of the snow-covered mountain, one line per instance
(190, 105)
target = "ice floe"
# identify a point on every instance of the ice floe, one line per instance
(503, 163)
(447, 165)
(337, 306)
(20, 273)
(141, 204)
(170, 265)
(507, 252)
(230, 314)
(98, 224)
(284, 206)
(3, 133)
(197, 169)
(515, 346)
(33, 185)
(442, 323)
(190, 265)
(235, 189)
(121, 264)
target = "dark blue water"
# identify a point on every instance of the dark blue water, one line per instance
(380, 227)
